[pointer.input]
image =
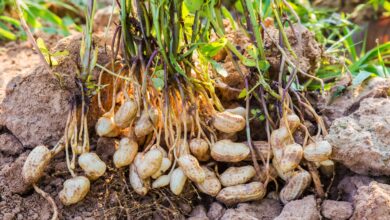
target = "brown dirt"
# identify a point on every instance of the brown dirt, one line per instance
(303, 43)
(337, 210)
(360, 140)
(304, 209)
(372, 202)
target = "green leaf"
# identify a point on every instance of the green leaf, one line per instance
(62, 53)
(264, 65)
(193, 5)
(218, 67)
(7, 34)
(242, 93)
(363, 75)
(239, 7)
(158, 83)
(42, 47)
(10, 20)
(249, 62)
(211, 49)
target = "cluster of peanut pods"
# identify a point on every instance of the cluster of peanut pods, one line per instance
(288, 155)
(156, 166)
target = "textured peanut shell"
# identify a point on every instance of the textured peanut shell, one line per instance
(295, 186)
(149, 163)
(237, 175)
(126, 152)
(75, 189)
(200, 149)
(105, 126)
(318, 151)
(35, 164)
(92, 165)
(293, 122)
(165, 165)
(327, 167)
(237, 111)
(125, 114)
(292, 156)
(191, 168)
(241, 193)
(178, 181)
(146, 122)
(211, 185)
(162, 181)
(279, 138)
(140, 186)
(228, 122)
(228, 151)
(284, 175)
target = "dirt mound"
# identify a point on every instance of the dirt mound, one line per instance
(304, 209)
(266, 209)
(302, 42)
(360, 140)
(336, 210)
(372, 202)
(36, 105)
(13, 58)
(338, 105)
(9, 145)
(349, 185)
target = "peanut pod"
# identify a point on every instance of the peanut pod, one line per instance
(146, 122)
(106, 127)
(140, 186)
(237, 175)
(191, 168)
(318, 151)
(92, 165)
(162, 181)
(295, 186)
(211, 185)
(292, 156)
(284, 175)
(178, 181)
(327, 167)
(126, 114)
(237, 111)
(149, 163)
(75, 189)
(228, 151)
(228, 122)
(165, 165)
(241, 193)
(293, 122)
(126, 153)
(279, 138)
(35, 164)
(200, 149)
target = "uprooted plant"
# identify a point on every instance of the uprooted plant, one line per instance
(167, 59)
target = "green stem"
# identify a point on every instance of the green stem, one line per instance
(281, 29)
(256, 28)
